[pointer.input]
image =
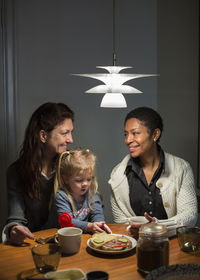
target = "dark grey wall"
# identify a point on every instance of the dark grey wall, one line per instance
(54, 38)
(178, 65)
(178, 84)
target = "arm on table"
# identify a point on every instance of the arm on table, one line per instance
(15, 231)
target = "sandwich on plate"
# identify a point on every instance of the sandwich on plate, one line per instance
(109, 242)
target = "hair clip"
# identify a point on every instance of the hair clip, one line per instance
(87, 150)
(65, 154)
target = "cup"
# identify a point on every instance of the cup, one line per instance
(134, 231)
(139, 220)
(189, 239)
(97, 275)
(46, 257)
(67, 274)
(69, 239)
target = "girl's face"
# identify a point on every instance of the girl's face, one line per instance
(59, 138)
(79, 183)
(137, 138)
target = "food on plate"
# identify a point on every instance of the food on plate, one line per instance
(117, 244)
(109, 242)
(98, 239)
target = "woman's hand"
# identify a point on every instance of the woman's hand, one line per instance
(19, 233)
(98, 227)
(134, 227)
(149, 218)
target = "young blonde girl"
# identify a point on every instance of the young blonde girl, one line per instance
(77, 201)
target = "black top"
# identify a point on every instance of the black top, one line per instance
(33, 213)
(144, 197)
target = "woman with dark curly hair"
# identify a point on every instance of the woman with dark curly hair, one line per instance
(149, 181)
(30, 179)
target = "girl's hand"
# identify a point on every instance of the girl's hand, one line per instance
(106, 228)
(94, 227)
(19, 233)
(98, 227)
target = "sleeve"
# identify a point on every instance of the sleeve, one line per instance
(16, 207)
(97, 215)
(185, 201)
(6, 231)
(16, 215)
(118, 216)
(63, 205)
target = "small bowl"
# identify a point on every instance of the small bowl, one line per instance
(97, 275)
(189, 239)
(74, 273)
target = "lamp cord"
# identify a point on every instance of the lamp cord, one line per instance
(114, 52)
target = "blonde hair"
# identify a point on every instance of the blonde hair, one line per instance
(71, 163)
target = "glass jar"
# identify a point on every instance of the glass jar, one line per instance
(152, 248)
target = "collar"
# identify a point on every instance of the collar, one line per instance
(46, 177)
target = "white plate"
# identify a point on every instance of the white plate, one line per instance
(133, 242)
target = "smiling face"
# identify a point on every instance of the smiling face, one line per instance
(79, 183)
(138, 138)
(58, 139)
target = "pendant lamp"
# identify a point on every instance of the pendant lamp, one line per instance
(113, 87)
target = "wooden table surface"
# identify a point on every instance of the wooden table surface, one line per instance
(17, 262)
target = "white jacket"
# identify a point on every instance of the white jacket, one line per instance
(177, 189)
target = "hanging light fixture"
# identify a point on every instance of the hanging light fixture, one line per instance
(113, 86)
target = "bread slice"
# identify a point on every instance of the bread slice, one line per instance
(98, 239)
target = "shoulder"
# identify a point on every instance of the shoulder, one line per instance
(13, 168)
(13, 177)
(98, 197)
(60, 194)
(172, 158)
(120, 167)
(173, 162)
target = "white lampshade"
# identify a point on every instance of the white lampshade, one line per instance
(113, 100)
(113, 85)
(113, 81)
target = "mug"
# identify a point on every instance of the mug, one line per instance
(139, 220)
(69, 239)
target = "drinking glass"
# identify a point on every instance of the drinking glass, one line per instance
(46, 257)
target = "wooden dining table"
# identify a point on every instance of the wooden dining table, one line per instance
(16, 261)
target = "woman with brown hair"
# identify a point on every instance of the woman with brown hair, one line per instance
(30, 179)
